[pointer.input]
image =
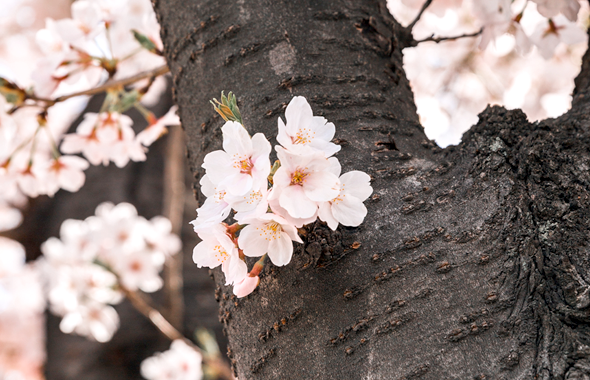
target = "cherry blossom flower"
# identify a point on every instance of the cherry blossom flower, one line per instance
(243, 165)
(246, 286)
(49, 40)
(158, 128)
(10, 217)
(105, 137)
(86, 22)
(75, 245)
(66, 172)
(139, 271)
(270, 234)
(93, 320)
(215, 209)
(550, 8)
(180, 362)
(94, 257)
(303, 180)
(22, 305)
(217, 249)
(252, 204)
(46, 82)
(347, 208)
(28, 173)
(305, 131)
(117, 228)
(12, 259)
(273, 203)
(548, 35)
(496, 16)
(72, 286)
(159, 237)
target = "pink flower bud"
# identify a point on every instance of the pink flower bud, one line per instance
(246, 286)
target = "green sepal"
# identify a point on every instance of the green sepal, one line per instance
(145, 42)
(13, 93)
(227, 108)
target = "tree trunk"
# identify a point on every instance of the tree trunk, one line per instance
(472, 262)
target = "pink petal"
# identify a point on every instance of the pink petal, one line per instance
(237, 270)
(282, 137)
(356, 183)
(325, 214)
(251, 241)
(203, 255)
(246, 286)
(280, 250)
(236, 140)
(350, 211)
(218, 165)
(295, 201)
(321, 187)
(298, 114)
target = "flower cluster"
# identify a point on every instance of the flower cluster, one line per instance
(22, 304)
(305, 185)
(93, 258)
(103, 41)
(180, 362)
(453, 81)
(114, 38)
(499, 17)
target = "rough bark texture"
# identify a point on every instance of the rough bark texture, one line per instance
(472, 262)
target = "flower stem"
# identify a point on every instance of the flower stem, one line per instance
(147, 114)
(108, 85)
(234, 228)
(258, 267)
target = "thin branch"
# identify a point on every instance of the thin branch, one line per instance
(174, 190)
(108, 85)
(142, 305)
(440, 39)
(424, 6)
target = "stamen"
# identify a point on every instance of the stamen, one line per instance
(220, 253)
(303, 136)
(298, 178)
(270, 231)
(244, 165)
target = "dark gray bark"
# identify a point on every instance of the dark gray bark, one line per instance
(473, 260)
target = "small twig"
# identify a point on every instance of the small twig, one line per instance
(174, 189)
(157, 319)
(424, 6)
(142, 305)
(108, 85)
(439, 39)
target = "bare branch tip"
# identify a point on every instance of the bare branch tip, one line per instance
(419, 15)
(452, 38)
